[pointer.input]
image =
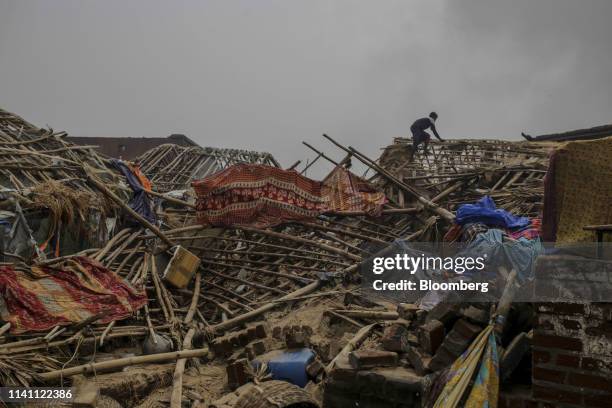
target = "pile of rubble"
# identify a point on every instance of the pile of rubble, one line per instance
(238, 315)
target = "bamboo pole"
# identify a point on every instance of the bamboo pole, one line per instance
(369, 314)
(177, 378)
(5, 328)
(194, 299)
(122, 362)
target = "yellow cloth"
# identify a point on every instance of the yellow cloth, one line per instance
(583, 184)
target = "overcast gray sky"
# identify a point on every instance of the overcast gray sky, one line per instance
(265, 75)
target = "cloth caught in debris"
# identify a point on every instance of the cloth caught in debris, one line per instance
(577, 191)
(453, 234)
(531, 231)
(499, 251)
(140, 201)
(465, 233)
(144, 181)
(481, 353)
(485, 391)
(263, 196)
(43, 297)
(485, 211)
(471, 231)
(344, 191)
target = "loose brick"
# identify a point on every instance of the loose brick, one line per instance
(431, 335)
(244, 338)
(444, 312)
(277, 332)
(442, 359)
(222, 346)
(421, 316)
(362, 359)
(560, 342)
(238, 373)
(297, 338)
(313, 369)
(261, 331)
(467, 330)
(395, 338)
(476, 315)
(455, 343)
(418, 360)
(407, 311)
(255, 349)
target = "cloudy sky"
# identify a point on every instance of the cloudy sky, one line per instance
(265, 75)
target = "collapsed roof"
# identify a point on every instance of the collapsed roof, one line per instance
(172, 167)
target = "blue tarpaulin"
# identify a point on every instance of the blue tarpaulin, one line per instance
(485, 211)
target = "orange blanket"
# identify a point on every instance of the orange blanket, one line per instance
(263, 196)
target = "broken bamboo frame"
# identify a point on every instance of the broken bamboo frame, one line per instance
(228, 324)
(447, 215)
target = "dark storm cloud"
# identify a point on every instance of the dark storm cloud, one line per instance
(266, 75)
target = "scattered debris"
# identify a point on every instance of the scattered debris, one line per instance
(210, 298)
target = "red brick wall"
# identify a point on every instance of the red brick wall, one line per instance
(572, 343)
(572, 354)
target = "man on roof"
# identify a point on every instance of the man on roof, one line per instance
(419, 135)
